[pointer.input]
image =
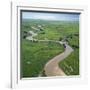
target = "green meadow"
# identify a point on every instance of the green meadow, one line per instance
(34, 55)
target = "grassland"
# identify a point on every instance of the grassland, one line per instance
(70, 65)
(34, 55)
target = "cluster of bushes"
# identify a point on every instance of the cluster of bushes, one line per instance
(75, 46)
(24, 34)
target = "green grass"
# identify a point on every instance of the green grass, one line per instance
(34, 55)
(53, 29)
(37, 54)
(70, 65)
(58, 30)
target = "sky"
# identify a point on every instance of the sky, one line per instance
(51, 16)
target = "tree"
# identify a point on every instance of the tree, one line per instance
(60, 39)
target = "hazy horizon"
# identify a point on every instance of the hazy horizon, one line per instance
(51, 16)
